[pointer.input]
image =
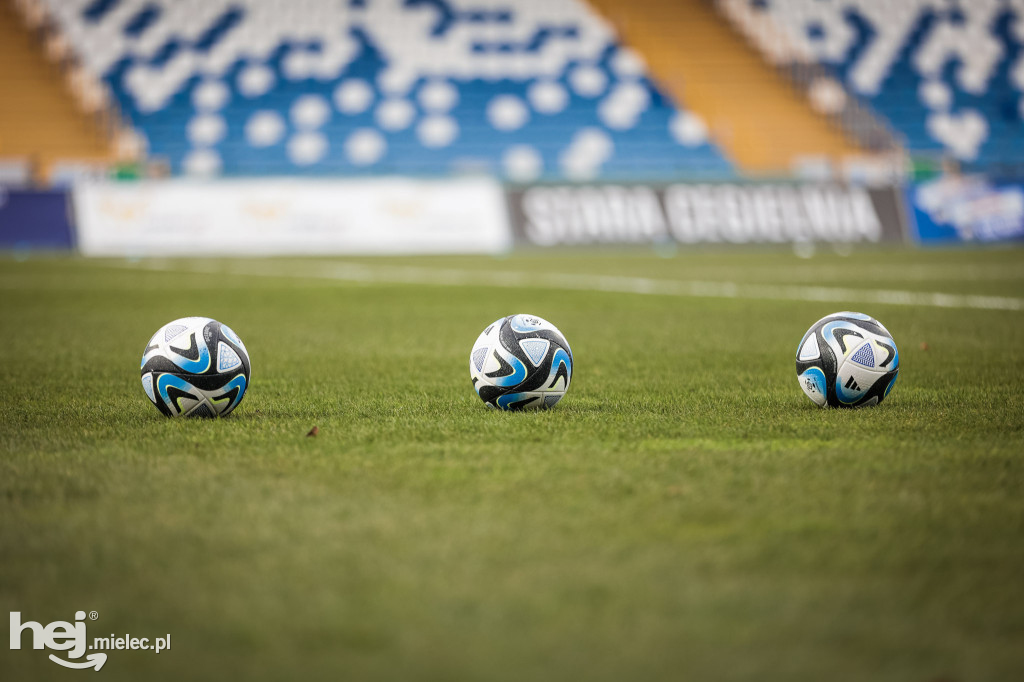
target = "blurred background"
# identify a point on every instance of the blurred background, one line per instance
(193, 127)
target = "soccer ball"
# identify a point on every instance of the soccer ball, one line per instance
(521, 361)
(847, 360)
(195, 367)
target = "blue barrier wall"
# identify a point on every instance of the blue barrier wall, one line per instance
(954, 209)
(35, 219)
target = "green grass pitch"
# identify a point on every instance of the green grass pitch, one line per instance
(684, 514)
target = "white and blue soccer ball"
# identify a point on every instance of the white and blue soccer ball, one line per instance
(195, 367)
(847, 360)
(521, 362)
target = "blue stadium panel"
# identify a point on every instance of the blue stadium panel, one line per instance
(526, 90)
(942, 87)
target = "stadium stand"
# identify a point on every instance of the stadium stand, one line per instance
(526, 89)
(45, 123)
(947, 74)
(758, 117)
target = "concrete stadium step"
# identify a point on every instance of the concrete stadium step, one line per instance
(753, 113)
(39, 117)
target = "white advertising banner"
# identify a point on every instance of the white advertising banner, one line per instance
(291, 217)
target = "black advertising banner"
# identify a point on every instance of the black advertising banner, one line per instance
(573, 215)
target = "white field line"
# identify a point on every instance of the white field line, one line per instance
(902, 273)
(390, 274)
